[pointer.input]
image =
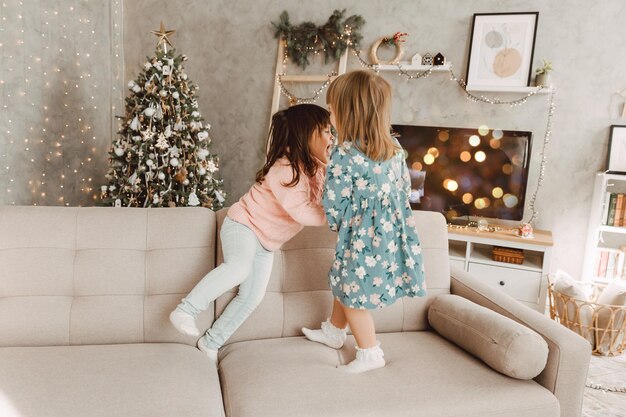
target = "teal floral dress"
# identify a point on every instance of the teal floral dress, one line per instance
(378, 258)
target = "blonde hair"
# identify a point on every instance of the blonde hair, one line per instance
(361, 103)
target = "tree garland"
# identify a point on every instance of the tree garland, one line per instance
(331, 39)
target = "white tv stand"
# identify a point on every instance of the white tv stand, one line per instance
(470, 250)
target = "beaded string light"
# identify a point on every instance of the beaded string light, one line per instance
(53, 90)
(293, 99)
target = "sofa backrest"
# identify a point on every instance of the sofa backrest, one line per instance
(298, 293)
(74, 276)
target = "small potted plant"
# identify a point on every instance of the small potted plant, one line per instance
(543, 77)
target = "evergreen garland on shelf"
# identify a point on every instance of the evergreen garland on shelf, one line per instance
(331, 39)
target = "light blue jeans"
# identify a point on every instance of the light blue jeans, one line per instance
(247, 264)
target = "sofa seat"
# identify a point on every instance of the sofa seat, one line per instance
(164, 379)
(425, 376)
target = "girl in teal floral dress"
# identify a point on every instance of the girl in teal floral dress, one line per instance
(366, 199)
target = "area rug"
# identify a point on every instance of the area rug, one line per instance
(608, 375)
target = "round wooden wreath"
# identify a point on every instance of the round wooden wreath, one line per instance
(396, 40)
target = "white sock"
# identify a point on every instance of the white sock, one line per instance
(366, 360)
(211, 353)
(184, 323)
(328, 335)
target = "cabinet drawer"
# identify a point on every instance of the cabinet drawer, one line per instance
(519, 284)
(458, 263)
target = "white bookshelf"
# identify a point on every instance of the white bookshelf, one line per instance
(601, 236)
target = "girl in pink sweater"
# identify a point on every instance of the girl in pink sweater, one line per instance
(285, 197)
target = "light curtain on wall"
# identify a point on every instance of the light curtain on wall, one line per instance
(60, 86)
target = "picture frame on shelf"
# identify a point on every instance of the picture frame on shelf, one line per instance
(616, 155)
(501, 49)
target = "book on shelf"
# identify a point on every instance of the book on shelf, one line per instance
(619, 204)
(611, 214)
(605, 208)
(614, 210)
(610, 263)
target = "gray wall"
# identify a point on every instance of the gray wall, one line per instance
(232, 54)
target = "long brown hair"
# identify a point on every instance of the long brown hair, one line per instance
(361, 102)
(289, 136)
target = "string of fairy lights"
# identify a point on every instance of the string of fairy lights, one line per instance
(60, 84)
(293, 99)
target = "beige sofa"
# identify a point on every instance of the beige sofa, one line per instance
(85, 295)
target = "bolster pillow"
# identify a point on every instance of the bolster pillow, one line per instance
(505, 345)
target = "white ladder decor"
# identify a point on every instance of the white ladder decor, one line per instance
(281, 78)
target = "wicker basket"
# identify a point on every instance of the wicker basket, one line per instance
(508, 255)
(604, 326)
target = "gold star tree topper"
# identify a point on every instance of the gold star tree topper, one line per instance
(163, 36)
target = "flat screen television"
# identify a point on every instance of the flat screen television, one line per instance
(467, 173)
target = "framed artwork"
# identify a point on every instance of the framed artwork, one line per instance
(501, 50)
(616, 158)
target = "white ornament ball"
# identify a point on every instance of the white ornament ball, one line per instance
(184, 76)
(186, 182)
(149, 111)
(131, 84)
(151, 156)
(163, 93)
(175, 95)
(119, 151)
(202, 136)
(136, 88)
(195, 114)
(147, 65)
(161, 176)
(202, 171)
(174, 162)
(149, 162)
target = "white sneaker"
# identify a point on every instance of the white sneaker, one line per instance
(184, 323)
(211, 353)
(366, 360)
(328, 335)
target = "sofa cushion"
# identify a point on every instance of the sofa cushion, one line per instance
(77, 276)
(610, 319)
(500, 342)
(108, 380)
(298, 293)
(425, 376)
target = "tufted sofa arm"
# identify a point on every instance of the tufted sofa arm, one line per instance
(569, 354)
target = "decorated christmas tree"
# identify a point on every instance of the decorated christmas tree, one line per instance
(161, 156)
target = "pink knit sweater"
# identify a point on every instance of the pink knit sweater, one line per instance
(275, 212)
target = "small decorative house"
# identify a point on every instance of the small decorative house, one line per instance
(427, 59)
(439, 59)
(416, 59)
